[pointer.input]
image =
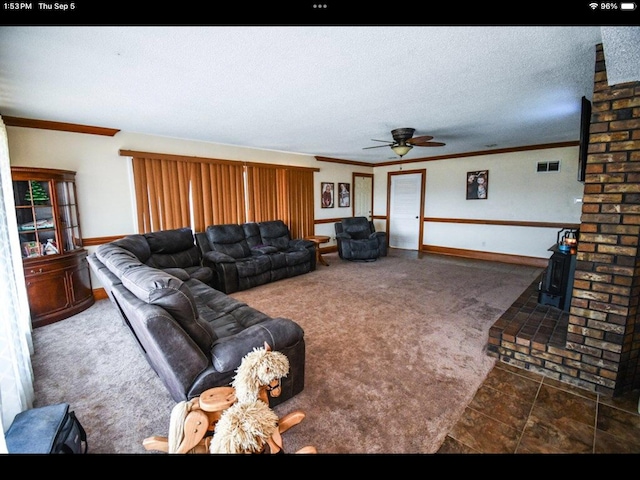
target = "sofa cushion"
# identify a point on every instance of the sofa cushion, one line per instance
(135, 244)
(179, 273)
(204, 274)
(275, 233)
(252, 266)
(212, 303)
(157, 287)
(170, 241)
(252, 234)
(297, 257)
(172, 249)
(117, 259)
(184, 259)
(228, 239)
(175, 251)
(359, 228)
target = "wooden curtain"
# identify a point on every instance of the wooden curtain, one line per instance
(263, 194)
(295, 201)
(174, 191)
(162, 194)
(218, 194)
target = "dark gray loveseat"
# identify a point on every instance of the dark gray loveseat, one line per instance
(246, 255)
(192, 335)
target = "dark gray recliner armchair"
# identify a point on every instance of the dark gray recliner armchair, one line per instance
(358, 240)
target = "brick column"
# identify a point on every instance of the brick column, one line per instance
(604, 324)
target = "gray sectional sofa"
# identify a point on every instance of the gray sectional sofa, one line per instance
(192, 335)
(246, 255)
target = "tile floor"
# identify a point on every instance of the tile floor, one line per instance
(518, 411)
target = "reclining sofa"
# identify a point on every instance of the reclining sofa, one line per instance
(246, 255)
(192, 335)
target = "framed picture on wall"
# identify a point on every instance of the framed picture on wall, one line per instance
(326, 197)
(478, 185)
(344, 195)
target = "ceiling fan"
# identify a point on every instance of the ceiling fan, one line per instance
(403, 141)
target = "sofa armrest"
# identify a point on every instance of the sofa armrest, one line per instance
(279, 333)
(224, 271)
(218, 257)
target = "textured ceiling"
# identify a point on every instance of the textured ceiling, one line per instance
(318, 90)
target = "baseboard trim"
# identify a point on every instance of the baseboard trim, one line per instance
(491, 256)
(99, 294)
(473, 254)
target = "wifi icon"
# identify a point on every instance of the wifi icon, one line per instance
(593, 5)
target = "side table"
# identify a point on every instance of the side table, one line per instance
(319, 239)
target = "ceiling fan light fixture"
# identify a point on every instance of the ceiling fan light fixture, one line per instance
(401, 150)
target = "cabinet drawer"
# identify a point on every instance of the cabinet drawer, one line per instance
(50, 264)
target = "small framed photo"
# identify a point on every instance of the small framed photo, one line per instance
(344, 195)
(478, 185)
(326, 197)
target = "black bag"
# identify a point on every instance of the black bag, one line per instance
(50, 429)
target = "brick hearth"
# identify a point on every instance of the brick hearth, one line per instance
(532, 336)
(596, 345)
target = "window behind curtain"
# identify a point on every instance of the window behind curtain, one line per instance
(174, 192)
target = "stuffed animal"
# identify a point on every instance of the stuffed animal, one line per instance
(244, 428)
(260, 373)
(234, 419)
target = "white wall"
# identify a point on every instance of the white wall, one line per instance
(334, 173)
(105, 182)
(516, 191)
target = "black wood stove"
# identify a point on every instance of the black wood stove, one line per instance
(557, 279)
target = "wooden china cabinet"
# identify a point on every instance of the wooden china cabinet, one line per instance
(55, 264)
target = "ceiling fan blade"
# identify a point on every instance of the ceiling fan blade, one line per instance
(419, 140)
(402, 136)
(378, 146)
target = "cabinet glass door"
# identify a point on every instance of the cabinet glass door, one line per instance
(68, 214)
(35, 215)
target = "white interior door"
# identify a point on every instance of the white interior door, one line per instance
(363, 196)
(405, 211)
